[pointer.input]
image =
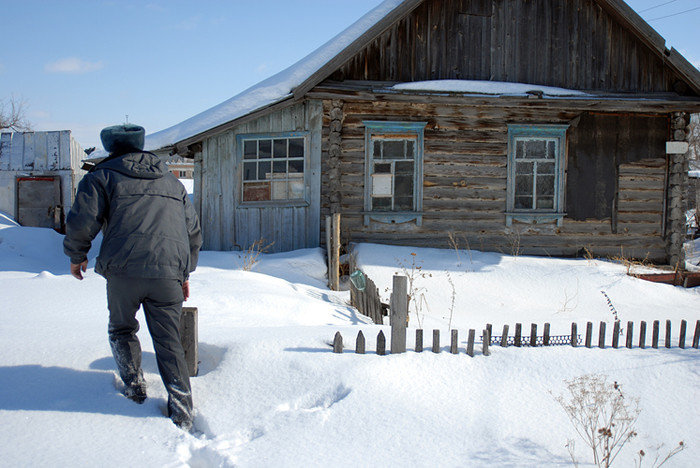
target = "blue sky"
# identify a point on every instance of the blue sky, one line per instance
(83, 65)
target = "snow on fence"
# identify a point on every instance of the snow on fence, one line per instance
(366, 296)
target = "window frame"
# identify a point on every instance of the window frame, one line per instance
(533, 215)
(413, 130)
(297, 202)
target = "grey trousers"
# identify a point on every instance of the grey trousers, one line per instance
(162, 305)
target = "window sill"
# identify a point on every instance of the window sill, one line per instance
(534, 217)
(393, 217)
(274, 204)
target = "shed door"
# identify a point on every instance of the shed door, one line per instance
(39, 202)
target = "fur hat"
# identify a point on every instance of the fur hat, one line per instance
(120, 139)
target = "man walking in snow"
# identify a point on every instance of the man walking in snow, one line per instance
(151, 244)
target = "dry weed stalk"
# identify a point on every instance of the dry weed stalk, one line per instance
(251, 254)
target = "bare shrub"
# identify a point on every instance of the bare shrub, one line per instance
(251, 254)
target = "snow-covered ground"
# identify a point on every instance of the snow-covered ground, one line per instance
(271, 393)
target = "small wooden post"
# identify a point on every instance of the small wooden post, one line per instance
(668, 334)
(489, 327)
(329, 249)
(630, 331)
(419, 340)
(589, 333)
(545, 337)
(360, 343)
(189, 337)
(504, 337)
(533, 335)
(655, 335)
(643, 334)
(381, 343)
(518, 333)
(601, 335)
(616, 334)
(399, 312)
(436, 340)
(696, 336)
(574, 334)
(470, 342)
(485, 343)
(681, 336)
(453, 342)
(338, 343)
(335, 257)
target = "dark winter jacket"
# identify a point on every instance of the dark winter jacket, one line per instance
(150, 227)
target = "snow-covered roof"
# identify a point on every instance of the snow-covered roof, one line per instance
(500, 88)
(274, 89)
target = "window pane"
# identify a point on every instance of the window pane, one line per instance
(296, 148)
(381, 204)
(535, 149)
(279, 167)
(264, 168)
(258, 191)
(545, 168)
(296, 188)
(545, 203)
(296, 166)
(523, 185)
(519, 149)
(551, 147)
(250, 149)
(249, 170)
(403, 167)
(382, 168)
(410, 149)
(524, 168)
(403, 186)
(280, 148)
(279, 190)
(394, 149)
(377, 149)
(545, 185)
(264, 149)
(404, 203)
(524, 203)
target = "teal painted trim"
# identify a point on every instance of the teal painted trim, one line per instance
(557, 132)
(306, 135)
(375, 127)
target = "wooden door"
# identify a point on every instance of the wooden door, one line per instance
(39, 202)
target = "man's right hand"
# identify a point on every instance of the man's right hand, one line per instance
(75, 270)
(186, 289)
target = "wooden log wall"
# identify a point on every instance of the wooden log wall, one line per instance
(573, 44)
(465, 170)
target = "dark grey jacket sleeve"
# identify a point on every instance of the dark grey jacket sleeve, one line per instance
(194, 231)
(85, 219)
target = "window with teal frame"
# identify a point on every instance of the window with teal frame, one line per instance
(536, 173)
(393, 172)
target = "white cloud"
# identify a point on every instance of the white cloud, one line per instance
(72, 65)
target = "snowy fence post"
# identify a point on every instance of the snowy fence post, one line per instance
(399, 313)
(589, 332)
(630, 331)
(616, 334)
(643, 334)
(470, 342)
(504, 337)
(601, 335)
(545, 337)
(436, 340)
(655, 335)
(696, 336)
(453, 342)
(381, 343)
(533, 334)
(419, 340)
(337, 343)
(360, 343)
(668, 333)
(190, 339)
(485, 343)
(681, 336)
(574, 334)
(518, 332)
(489, 328)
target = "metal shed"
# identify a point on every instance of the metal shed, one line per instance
(39, 175)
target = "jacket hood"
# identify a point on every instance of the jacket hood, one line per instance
(141, 165)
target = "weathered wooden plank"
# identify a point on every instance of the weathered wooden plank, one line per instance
(381, 343)
(601, 335)
(616, 334)
(630, 331)
(533, 335)
(436, 340)
(574, 335)
(504, 337)
(486, 339)
(642, 334)
(589, 333)
(453, 341)
(667, 341)
(399, 314)
(696, 335)
(419, 340)
(655, 335)
(545, 337)
(189, 337)
(470, 342)
(681, 335)
(518, 335)
(337, 343)
(360, 343)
